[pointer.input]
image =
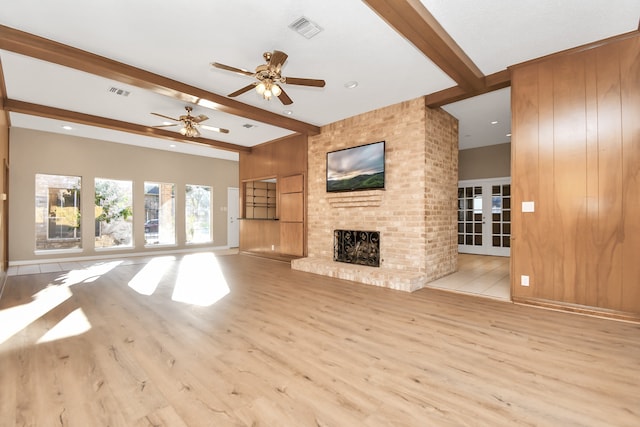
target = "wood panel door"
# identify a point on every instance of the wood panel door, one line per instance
(292, 215)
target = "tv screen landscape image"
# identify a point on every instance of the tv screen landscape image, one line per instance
(356, 168)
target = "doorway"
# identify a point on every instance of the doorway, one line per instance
(484, 217)
(233, 209)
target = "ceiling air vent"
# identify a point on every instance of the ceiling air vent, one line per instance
(305, 27)
(118, 91)
(248, 125)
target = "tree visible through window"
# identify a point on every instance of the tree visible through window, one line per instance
(160, 213)
(198, 213)
(57, 218)
(113, 213)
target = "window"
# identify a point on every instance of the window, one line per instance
(113, 213)
(198, 213)
(57, 212)
(160, 213)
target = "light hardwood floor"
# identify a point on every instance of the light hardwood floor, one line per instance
(162, 343)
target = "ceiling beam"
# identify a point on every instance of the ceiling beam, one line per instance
(414, 22)
(48, 50)
(492, 82)
(5, 120)
(102, 122)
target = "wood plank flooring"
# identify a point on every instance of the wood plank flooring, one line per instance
(113, 345)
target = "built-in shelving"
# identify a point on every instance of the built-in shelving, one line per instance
(260, 199)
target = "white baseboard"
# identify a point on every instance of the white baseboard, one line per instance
(16, 263)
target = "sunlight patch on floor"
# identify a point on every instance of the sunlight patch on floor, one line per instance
(89, 274)
(148, 279)
(15, 319)
(200, 280)
(74, 323)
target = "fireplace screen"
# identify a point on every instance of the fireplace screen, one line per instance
(357, 247)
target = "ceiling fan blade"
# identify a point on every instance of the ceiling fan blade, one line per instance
(284, 98)
(200, 118)
(304, 82)
(166, 117)
(241, 91)
(277, 59)
(165, 126)
(232, 69)
(215, 129)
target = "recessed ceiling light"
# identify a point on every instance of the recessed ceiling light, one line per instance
(495, 122)
(67, 127)
(351, 85)
(172, 145)
(509, 134)
(288, 112)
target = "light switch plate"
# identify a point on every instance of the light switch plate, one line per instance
(524, 280)
(528, 207)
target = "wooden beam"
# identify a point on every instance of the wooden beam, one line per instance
(502, 79)
(48, 50)
(492, 82)
(4, 115)
(102, 122)
(414, 22)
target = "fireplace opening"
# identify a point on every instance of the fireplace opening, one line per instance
(357, 247)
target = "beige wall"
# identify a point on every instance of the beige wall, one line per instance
(416, 212)
(41, 152)
(493, 161)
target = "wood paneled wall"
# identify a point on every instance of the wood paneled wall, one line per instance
(286, 156)
(278, 159)
(4, 189)
(576, 155)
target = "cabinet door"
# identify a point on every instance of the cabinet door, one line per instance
(291, 208)
(292, 215)
(292, 184)
(292, 238)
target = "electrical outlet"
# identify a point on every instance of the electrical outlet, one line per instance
(273, 247)
(524, 280)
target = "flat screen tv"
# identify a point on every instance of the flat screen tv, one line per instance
(356, 168)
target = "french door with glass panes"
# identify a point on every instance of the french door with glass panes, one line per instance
(484, 216)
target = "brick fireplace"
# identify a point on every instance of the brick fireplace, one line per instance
(415, 214)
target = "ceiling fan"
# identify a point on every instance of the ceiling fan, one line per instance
(269, 78)
(191, 123)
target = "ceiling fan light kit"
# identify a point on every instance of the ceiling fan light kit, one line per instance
(190, 131)
(191, 123)
(270, 79)
(267, 89)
